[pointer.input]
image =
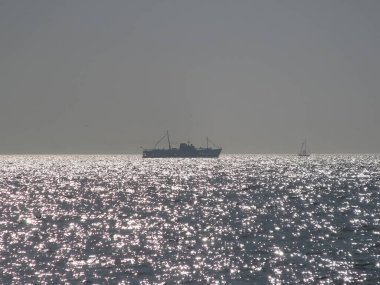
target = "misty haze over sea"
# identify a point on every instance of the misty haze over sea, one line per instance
(96, 77)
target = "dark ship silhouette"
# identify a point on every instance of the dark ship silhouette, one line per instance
(184, 150)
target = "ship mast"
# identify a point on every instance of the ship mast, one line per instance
(207, 142)
(166, 135)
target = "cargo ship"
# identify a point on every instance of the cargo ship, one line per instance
(184, 150)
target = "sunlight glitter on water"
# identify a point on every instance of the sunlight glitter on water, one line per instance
(239, 219)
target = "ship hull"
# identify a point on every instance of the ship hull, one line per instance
(178, 153)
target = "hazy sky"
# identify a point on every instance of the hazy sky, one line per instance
(95, 76)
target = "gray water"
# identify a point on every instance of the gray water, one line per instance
(239, 219)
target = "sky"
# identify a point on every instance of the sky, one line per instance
(94, 76)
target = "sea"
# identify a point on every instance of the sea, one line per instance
(238, 219)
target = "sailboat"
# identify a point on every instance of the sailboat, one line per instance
(303, 151)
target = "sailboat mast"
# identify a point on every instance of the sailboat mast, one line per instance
(207, 142)
(305, 147)
(167, 134)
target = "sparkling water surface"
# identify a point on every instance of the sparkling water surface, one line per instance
(239, 219)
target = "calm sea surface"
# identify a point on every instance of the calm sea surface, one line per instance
(239, 219)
